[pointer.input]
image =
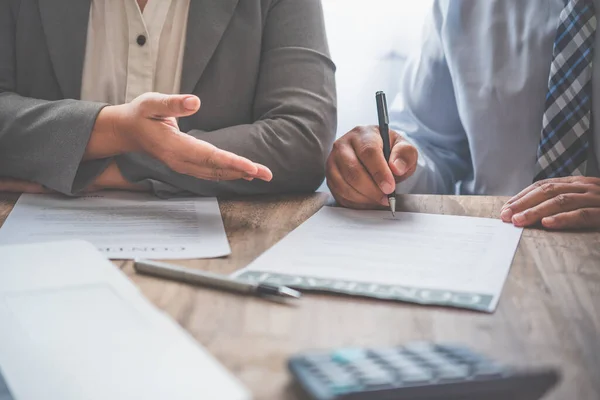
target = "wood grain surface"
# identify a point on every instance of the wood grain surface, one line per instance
(549, 312)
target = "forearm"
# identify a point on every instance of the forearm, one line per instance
(45, 141)
(295, 153)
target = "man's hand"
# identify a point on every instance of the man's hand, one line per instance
(562, 203)
(357, 173)
(149, 124)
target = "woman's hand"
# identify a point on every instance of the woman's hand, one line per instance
(111, 178)
(149, 125)
(9, 185)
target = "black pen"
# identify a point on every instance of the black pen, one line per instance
(384, 131)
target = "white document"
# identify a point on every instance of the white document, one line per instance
(422, 258)
(73, 327)
(122, 225)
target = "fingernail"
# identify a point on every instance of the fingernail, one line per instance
(506, 215)
(401, 165)
(549, 221)
(384, 201)
(519, 219)
(386, 187)
(191, 103)
(248, 178)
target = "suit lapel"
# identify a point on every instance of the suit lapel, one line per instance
(65, 25)
(207, 21)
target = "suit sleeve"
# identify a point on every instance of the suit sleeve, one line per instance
(41, 141)
(429, 117)
(294, 112)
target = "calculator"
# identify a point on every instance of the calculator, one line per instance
(423, 371)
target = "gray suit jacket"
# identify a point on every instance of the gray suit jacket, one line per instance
(261, 68)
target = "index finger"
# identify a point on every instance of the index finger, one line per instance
(263, 173)
(225, 160)
(222, 159)
(368, 147)
(204, 154)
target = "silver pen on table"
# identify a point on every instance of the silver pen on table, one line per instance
(197, 277)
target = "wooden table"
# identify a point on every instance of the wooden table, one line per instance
(549, 312)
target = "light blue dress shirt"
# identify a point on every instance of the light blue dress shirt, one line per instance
(473, 99)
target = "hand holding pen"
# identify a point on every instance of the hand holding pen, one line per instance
(358, 174)
(384, 131)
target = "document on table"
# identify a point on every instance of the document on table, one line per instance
(73, 327)
(121, 224)
(421, 258)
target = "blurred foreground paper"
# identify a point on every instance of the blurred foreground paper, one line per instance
(73, 327)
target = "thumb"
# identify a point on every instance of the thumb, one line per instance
(403, 159)
(158, 105)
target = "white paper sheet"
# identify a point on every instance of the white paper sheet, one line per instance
(423, 258)
(122, 225)
(75, 328)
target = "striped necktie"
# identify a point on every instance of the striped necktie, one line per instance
(566, 129)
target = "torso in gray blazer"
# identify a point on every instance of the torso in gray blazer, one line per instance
(261, 67)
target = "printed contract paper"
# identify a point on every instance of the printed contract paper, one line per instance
(421, 258)
(121, 225)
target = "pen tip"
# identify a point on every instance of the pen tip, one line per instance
(288, 292)
(392, 205)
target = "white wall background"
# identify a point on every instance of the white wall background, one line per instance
(369, 42)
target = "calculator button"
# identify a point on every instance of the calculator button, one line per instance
(315, 359)
(416, 376)
(348, 356)
(463, 354)
(326, 371)
(383, 355)
(392, 359)
(368, 366)
(452, 373)
(434, 360)
(340, 381)
(339, 388)
(377, 380)
(333, 371)
(488, 370)
(371, 373)
(405, 366)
